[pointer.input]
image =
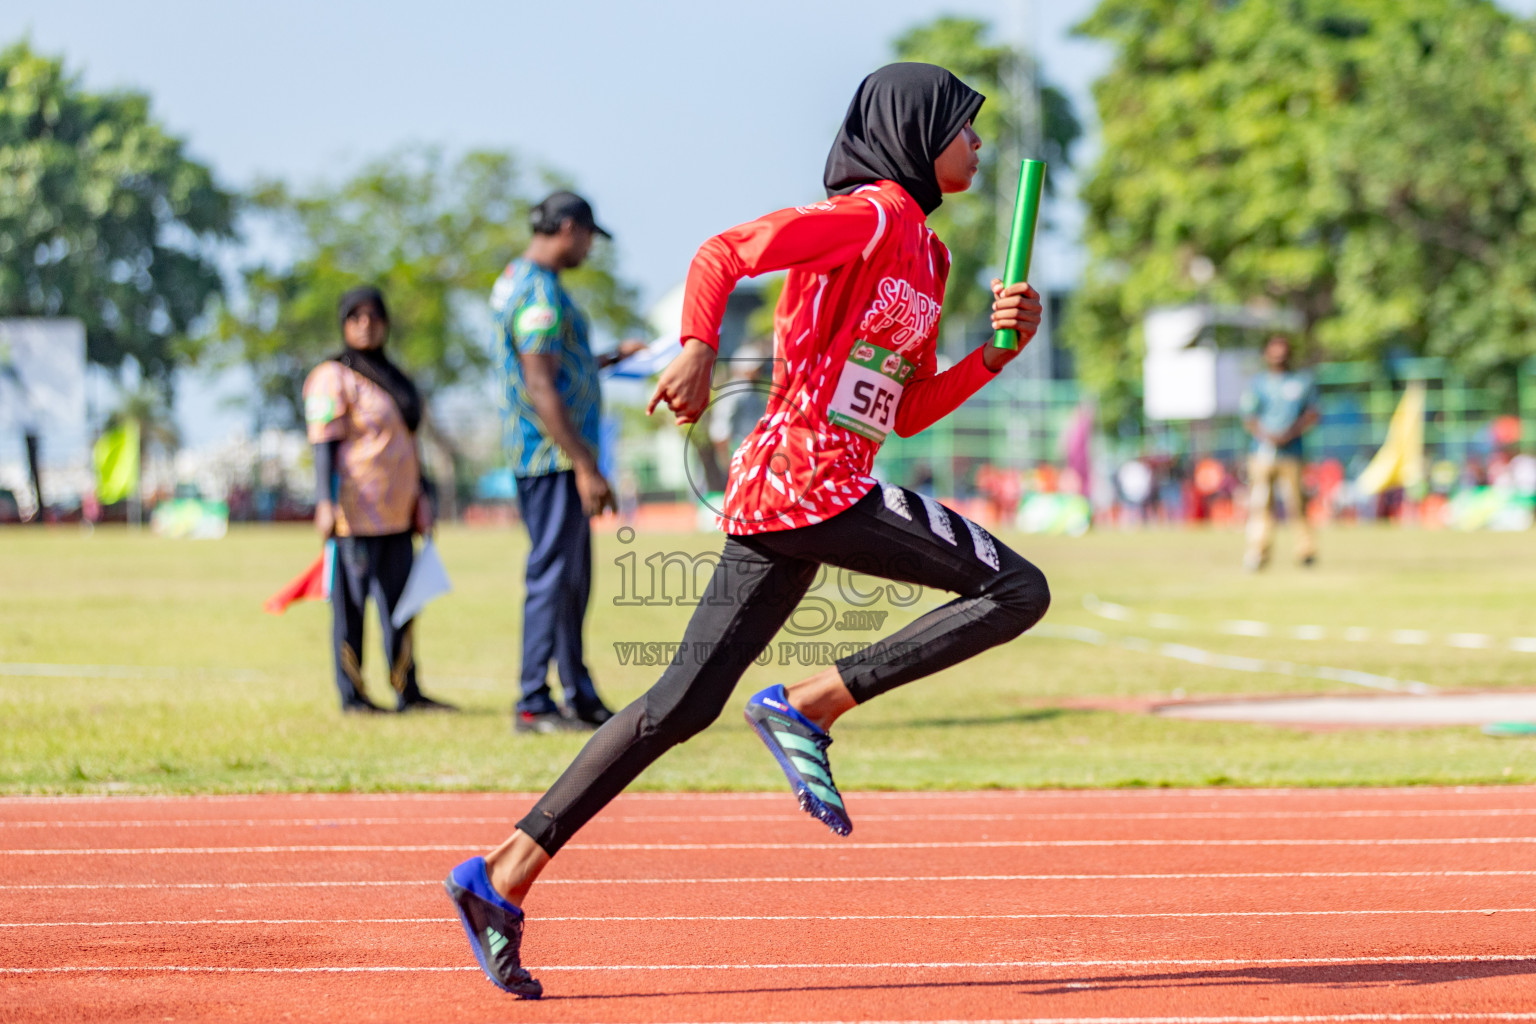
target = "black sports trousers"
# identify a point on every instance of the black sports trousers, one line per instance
(374, 567)
(891, 533)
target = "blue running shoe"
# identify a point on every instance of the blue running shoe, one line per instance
(801, 750)
(494, 927)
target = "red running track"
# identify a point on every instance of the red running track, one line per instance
(1125, 907)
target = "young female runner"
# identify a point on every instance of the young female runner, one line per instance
(854, 345)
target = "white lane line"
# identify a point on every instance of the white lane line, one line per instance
(158, 851)
(1231, 662)
(120, 799)
(770, 818)
(1293, 1019)
(1310, 793)
(1026, 844)
(1108, 609)
(1486, 912)
(196, 969)
(976, 844)
(96, 886)
(36, 670)
(801, 880)
(54, 670)
(1318, 1018)
(1490, 958)
(247, 922)
(362, 822)
(1353, 634)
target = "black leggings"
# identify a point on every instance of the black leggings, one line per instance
(760, 579)
(374, 567)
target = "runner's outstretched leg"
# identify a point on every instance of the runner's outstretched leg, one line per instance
(898, 535)
(752, 594)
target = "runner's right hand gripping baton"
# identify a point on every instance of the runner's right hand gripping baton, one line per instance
(1021, 242)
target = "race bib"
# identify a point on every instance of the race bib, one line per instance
(869, 391)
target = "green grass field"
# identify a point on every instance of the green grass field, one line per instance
(196, 690)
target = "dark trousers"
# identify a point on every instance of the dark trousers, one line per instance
(891, 533)
(558, 583)
(374, 567)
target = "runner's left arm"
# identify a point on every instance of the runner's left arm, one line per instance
(927, 400)
(930, 396)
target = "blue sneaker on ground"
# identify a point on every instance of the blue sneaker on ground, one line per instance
(494, 927)
(801, 750)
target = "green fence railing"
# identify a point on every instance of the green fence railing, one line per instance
(1018, 423)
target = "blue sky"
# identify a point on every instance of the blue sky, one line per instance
(677, 119)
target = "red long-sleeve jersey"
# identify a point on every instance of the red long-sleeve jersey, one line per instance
(854, 339)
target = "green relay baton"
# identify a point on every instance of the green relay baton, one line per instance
(1021, 242)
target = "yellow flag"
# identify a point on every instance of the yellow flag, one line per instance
(1400, 461)
(116, 455)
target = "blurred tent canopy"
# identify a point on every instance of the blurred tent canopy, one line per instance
(1370, 163)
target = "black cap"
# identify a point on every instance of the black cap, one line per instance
(559, 207)
(356, 298)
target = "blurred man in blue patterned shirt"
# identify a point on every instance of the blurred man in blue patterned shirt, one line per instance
(553, 408)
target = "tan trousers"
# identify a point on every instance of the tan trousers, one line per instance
(1265, 472)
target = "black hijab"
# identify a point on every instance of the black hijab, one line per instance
(372, 363)
(901, 118)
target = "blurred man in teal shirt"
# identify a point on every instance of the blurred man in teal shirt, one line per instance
(1279, 406)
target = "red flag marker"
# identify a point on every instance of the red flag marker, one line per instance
(313, 584)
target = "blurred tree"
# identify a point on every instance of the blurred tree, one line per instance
(102, 216)
(1369, 162)
(433, 235)
(974, 224)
